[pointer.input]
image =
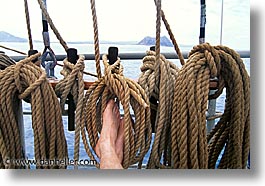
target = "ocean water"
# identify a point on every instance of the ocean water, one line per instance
(131, 70)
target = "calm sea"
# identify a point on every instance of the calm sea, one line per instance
(131, 70)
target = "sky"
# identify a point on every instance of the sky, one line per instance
(132, 20)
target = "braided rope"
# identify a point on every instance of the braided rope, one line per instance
(28, 24)
(25, 80)
(137, 135)
(73, 83)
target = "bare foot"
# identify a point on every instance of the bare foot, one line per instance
(110, 144)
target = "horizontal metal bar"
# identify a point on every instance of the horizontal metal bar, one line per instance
(130, 56)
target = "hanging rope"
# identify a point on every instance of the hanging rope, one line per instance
(188, 129)
(73, 83)
(28, 24)
(157, 79)
(137, 134)
(11, 49)
(26, 80)
(232, 132)
(172, 37)
(96, 40)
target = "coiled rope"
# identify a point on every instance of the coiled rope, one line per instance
(5, 61)
(137, 134)
(157, 79)
(19, 82)
(232, 133)
(73, 83)
(163, 91)
(188, 130)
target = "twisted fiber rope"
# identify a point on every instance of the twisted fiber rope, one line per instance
(232, 132)
(5, 61)
(158, 31)
(188, 131)
(172, 37)
(28, 24)
(137, 135)
(49, 20)
(96, 40)
(164, 93)
(21, 81)
(73, 83)
(157, 79)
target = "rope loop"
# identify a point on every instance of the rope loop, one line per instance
(211, 55)
(71, 73)
(132, 97)
(17, 76)
(16, 83)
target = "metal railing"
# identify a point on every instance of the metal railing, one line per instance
(130, 56)
(211, 114)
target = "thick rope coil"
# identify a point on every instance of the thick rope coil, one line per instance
(162, 92)
(5, 61)
(188, 130)
(232, 133)
(73, 76)
(21, 81)
(73, 83)
(137, 134)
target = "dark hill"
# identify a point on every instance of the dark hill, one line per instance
(150, 41)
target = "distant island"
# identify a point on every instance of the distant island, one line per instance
(7, 37)
(150, 41)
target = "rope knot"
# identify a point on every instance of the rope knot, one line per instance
(70, 67)
(21, 70)
(112, 73)
(211, 56)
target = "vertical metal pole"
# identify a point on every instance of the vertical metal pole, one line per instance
(45, 30)
(222, 15)
(211, 103)
(72, 58)
(202, 22)
(17, 107)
